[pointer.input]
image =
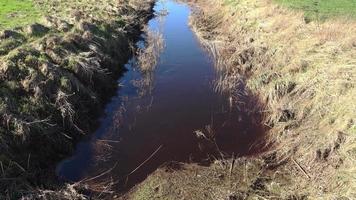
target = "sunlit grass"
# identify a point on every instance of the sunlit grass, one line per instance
(14, 13)
(322, 9)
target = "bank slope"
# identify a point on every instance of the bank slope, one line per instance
(55, 77)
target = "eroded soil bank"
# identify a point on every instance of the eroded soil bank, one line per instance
(304, 72)
(55, 77)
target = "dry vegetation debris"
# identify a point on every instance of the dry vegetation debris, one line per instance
(305, 73)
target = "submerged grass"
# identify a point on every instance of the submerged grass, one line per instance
(148, 56)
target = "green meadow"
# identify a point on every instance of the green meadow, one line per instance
(322, 9)
(14, 13)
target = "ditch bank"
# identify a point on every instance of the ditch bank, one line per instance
(55, 78)
(174, 107)
(304, 72)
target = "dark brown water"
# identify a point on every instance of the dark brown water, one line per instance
(163, 117)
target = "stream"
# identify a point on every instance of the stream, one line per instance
(172, 115)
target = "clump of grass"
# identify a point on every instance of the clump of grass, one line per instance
(239, 178)
(10, 40)
(68, 192)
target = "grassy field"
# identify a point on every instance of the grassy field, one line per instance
(15, 13)
(321, 9)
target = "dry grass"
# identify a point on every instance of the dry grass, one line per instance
(229, 179)
(53, 80)
(305, 73)
(69, 192)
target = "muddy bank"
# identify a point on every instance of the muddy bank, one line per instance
(304, 72)
(55, 78)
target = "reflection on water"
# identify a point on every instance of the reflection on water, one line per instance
(171, 113)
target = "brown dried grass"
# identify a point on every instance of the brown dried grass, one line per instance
(305, 73)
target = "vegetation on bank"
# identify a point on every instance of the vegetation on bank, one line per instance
(55, 76)
(304, 71)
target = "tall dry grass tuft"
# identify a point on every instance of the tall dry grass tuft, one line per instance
(68, 192)
(65, 106)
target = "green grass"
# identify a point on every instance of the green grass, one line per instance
(322, 9)
(14, 13)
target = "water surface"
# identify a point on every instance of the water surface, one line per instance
(164, 115)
